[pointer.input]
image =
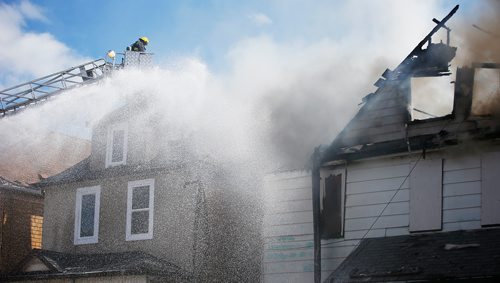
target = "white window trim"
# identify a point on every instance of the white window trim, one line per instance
(96, 190)
(131, 186)
(109, 145)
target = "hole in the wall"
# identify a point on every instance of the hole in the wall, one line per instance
(431, 97)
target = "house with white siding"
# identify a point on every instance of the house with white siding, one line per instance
(390, 175)
(395, 197)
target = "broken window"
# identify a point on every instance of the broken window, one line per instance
(140, 201)
(332, 204)
(431, 97)
(116, 149)
(87, 215)
(486, 91)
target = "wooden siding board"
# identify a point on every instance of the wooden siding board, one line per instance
(378, 197)
(377, 185)
(290, 206)
(374, 138)
(466, 162)
(458, 215)
(291, 183)
(292, 229)
(361, 234)
(377, 173)
(382, 222)
(367, 129)
(291, 194)
(460, 176)
(393, 208)
(467, 201)
(463, 225)
(459, 189)
(288, 218)
(302, 277)
(490, 212)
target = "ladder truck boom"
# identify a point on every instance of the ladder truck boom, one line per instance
(19, 97)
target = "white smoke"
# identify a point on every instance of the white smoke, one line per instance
(278, 98)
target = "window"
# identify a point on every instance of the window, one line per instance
(332, 203)
(116, 149)
(36, 231)
(87, 215)
(140, 206)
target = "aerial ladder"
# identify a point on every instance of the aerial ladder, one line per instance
(20, 97)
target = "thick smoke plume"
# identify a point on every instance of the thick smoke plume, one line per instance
(276, 101)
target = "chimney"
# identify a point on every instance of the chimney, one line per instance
(464, 84)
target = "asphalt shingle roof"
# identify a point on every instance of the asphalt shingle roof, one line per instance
(458, 255)
(66, 265)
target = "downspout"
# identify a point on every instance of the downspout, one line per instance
(316, 159)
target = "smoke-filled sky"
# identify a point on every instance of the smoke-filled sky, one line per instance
(296, 70)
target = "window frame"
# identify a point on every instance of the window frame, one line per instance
(128, 231)
(80, 192)
(109, 144)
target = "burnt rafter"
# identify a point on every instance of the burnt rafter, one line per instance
(432, 61)
(424, 61)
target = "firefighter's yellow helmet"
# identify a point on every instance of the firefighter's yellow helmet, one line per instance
(145, 39)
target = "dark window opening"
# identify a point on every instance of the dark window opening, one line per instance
(331, 214)
(87, 216)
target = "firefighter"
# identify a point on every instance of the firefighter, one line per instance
(139, 45)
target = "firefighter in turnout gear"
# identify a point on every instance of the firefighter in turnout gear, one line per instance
(139, 45)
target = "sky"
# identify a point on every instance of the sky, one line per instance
(74, 31)
(296, 68)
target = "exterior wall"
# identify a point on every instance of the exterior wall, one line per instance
(288, 228)
(381, 119)
(114, 279)
(462, 193)
(370, 184)
(174, 214)
(145, 140)
(16, 211)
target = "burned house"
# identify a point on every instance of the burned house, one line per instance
(403, 199)
(395, 197)
(21, 219)
(138, 209)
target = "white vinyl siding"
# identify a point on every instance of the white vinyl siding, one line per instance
(426, 194)
(288, 228)
(140, 210)
(87, 215)
(462, 193)
(116, 145)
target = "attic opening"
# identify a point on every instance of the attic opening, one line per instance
(486, 90)
(431, 97)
